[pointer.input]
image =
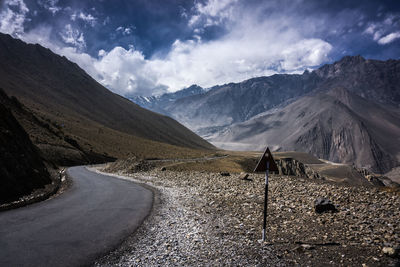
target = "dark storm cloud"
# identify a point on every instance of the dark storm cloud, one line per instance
(144, 47)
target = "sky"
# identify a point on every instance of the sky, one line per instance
(149, 47)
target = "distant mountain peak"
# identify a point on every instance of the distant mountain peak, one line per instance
(158, 103)
(352, 59)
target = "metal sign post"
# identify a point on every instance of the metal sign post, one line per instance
(265, 202)
(266, 163)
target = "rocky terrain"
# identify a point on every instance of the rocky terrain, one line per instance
(205, 218)
(336, 125)
(304, 165)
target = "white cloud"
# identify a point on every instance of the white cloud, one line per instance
(124, 30)
(88, 18)
(124, 71)
(50, 5)
(213, 12)
(73, 36)
(383, 32)
(127, 72)
(370, 29)
(236, 58)
(13, 16)
(253, 45)
(389, 38)
(377, 35)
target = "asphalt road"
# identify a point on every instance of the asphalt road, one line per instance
(75, 228)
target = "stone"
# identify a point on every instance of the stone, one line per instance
(163, 169)
(225, 174)
(324, 205)
(303, 247)
(244, 176)
(391, 252)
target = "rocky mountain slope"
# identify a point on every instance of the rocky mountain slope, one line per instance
(336, 125)
(355, 105)
(22, 169)
(375, 80)
(56, 146)
(98, 120)
(378, 81)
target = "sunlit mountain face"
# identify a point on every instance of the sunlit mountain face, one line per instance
(152, 47)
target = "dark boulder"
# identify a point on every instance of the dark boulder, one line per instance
(324, 205)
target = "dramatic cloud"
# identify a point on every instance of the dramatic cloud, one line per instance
(249, 49)
(73, 37)
(12, 16)
(252, 46)
(204, 42)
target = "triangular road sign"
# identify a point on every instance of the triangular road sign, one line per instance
(262, 163)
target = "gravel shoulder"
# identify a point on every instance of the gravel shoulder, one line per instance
(205, 219)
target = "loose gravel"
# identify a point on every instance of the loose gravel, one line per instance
(205, 219)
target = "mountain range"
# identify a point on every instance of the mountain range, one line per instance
(345, 112)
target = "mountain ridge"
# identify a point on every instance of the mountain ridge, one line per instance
(377, 82)
(59, 90)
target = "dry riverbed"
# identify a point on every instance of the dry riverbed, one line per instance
(205, 219)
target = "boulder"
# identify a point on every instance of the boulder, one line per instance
(391, 252)
(225, 174)
(324, 205)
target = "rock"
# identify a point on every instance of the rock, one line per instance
(303, 247)
(244, 176)
(225, 174)
(324, 205)
(391, 252)
(307, 246)
(163, 169)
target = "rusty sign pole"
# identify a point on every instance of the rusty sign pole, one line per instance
(267, 164)
(265, 202)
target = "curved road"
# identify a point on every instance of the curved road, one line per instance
(75, 228)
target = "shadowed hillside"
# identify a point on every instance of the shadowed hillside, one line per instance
(22, 169)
